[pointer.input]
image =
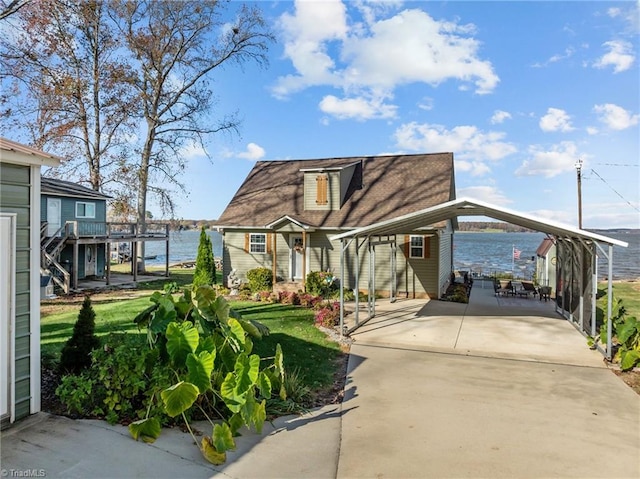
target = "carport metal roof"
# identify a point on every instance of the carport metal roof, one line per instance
(424, 219)
(469, 207)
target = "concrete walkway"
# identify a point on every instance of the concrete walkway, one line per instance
(497, 388)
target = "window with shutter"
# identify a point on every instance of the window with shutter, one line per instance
(322, 187)
(257, 243)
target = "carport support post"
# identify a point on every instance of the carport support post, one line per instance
(342, 248)
(594, 292)
(609, 301)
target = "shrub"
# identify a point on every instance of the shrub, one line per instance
(309, 300)
(328, 315)
(76, 353)
(321, 283)
(205, 272)
(288, 297)
(265, 296)
(260, 279)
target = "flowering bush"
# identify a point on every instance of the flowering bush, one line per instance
(309, 300)
(265, 296)
(288, 297)
(328, 315)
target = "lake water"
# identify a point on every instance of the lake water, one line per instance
(480, 252)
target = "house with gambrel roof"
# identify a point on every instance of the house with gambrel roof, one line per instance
(284, 213)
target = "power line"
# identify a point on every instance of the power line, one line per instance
(612, 189)
(615, 164)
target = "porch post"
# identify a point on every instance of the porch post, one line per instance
(304, 260)
(108, 248)
(594, 292)
(134, 260)
(274, 258)
(75, 265)
(166, 262)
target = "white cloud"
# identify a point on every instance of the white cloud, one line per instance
(192, 150)
(368, 61)
(472, 147)
(620, 56)
(592, 130)
(500, 116)
(357, 108)
(556, 120)
(613, 12)
(568, 53)
(426, 103)
(561, 158)
(561, 216)
(488, 194)
(253, 152)
(616, 117)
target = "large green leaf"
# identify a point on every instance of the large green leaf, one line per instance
(207, 343)
(228, 356)
(236, 334)
(199, 368)
(230, 396)
(179, 397)
(204, 299)
(146, 429)
(249, 327)
(627, 329)
(143, 318)
(264, 385)
(210, 453)
(235, 423)
(182, 339)
(278, 362)
(259, 415)
(223, 438)
(629, 358)
(246, 371)
(164, 315)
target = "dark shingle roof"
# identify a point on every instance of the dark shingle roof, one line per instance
(54, 186)
(384, 187)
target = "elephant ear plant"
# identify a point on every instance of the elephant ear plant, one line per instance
(207, 346)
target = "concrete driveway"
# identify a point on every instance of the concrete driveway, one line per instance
(502, 387)
(494, 389)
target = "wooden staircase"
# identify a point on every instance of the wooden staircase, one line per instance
(50, 249)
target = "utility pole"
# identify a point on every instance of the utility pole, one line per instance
(579, 171)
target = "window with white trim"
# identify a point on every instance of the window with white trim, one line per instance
(85, 210)
(258, 243)
(416, 246)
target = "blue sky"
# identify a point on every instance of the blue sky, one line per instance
(518, 91)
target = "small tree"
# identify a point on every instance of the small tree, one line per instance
(205, 273)
(76, 353)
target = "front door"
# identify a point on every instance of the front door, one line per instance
(7, 247)
(54, 215)
(90, 260)
(296, 257)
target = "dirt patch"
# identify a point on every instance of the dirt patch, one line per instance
(631, 378)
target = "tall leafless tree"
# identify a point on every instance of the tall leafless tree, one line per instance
(68, 89)
(177, 45)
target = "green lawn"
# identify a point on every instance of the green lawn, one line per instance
(627, 291)
(306, 349)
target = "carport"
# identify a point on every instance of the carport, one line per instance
(576, 269)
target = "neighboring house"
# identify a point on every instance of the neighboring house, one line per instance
(69, 209)
(546, 264)
(76, 238)
(285, 212)
(20, 278)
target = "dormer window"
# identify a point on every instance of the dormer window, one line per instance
(322, 182)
